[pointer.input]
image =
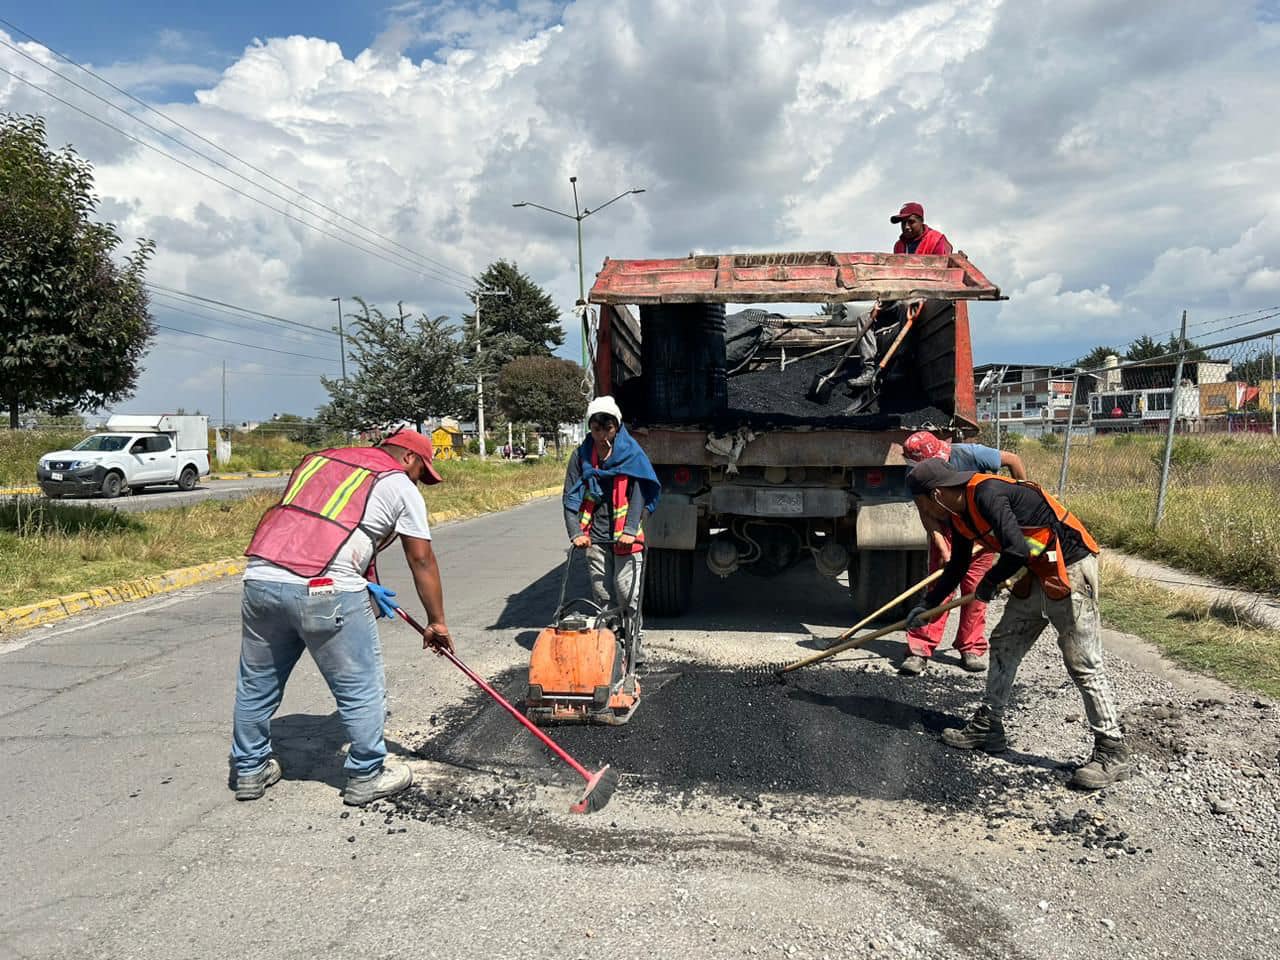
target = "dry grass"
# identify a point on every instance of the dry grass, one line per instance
(20, 450)
(1191, 632)
(1222, 515)
(48, 549)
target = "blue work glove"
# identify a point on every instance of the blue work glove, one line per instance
(986, 590)
(382, 599)
(916, 618)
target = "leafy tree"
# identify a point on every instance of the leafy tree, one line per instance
(1176, 344)
(1254, 371)
(544, 391)
(74, 322)
(1097, 357)
(1145, 348)
(525, 323)
(407, 370)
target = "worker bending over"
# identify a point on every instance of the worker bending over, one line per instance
(971, 639)
(306, 587)
(1030, 529)
(609, 487)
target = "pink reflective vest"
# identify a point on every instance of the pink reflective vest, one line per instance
(323, 505)
(933, 242)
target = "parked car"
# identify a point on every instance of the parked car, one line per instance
(134, 452)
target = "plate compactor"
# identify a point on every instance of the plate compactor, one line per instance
(583, 666)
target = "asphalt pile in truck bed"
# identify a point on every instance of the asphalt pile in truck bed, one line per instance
(779, 397)
(823, 732)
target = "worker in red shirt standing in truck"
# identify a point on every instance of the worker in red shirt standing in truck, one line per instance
(917, 237)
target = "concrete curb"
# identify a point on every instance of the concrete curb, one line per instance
(59, 608)
(18, 491)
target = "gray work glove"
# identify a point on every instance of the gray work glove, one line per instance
(916, 618)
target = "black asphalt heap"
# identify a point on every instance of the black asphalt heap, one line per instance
(828, 731)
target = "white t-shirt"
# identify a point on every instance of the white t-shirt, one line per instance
(395, 507)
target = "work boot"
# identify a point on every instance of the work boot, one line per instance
(863, 380)
(973, 662)
(1109, 763)
(984, 732)
(913, 665)
(251, 786)
(387, 782)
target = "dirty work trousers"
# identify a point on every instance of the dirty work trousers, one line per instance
(623, 574)
(1079, 629)
(278, 622)
(971, 632)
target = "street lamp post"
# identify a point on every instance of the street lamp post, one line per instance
(579, 214)
(480, 294)
(342, 341)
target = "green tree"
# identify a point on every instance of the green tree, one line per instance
(407, 369)
(1145, 348)
(1097, 357)
(543, 391)
(522, 322)
(74, 322)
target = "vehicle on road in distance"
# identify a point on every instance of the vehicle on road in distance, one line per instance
(134, 452)
(766, 456)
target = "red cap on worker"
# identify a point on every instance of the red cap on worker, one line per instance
(908, 210)
(923, 445)
(413, 440)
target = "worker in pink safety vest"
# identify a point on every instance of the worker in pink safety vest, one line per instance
(311, 585)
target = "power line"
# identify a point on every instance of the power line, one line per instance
(187, 294)
(172, 302)
(212, 143)
(265, 371)
(242, 323)
(403, 263)
(240, 343)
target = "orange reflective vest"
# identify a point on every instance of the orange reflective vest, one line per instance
(323, 505)
(1046, 562)
(618, 492)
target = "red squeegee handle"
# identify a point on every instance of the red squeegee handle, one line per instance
(480, 682)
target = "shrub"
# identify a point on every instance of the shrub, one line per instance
(1050, 441)
(1187, 456)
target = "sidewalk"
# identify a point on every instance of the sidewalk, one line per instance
(1254, 608)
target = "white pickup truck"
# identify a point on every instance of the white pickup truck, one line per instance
(134, 452)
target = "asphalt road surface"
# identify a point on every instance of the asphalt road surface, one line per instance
(160, 498)
(820, 818)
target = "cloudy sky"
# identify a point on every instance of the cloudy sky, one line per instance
(1106, 164)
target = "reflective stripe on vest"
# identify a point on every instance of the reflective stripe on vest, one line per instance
(323, 505)
(618, 489)
(1046, 562)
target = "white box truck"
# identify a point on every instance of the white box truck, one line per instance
(134, 452)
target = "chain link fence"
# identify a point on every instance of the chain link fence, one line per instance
(1177, 457)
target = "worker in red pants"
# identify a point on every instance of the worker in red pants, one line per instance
(971, 634)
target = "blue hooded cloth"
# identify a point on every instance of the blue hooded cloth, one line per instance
(627, 459)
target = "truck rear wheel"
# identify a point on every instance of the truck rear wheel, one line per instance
(877, 576)
(187, 478)
(668, 582)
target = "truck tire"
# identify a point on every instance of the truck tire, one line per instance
(877, 576)
(187, 478)
(668, 582)
(112, 483)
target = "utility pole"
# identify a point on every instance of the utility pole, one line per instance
(224, 395)
(480, 368)
(579, 214)
(1273, 385)
(342, 341)
(1173, 421)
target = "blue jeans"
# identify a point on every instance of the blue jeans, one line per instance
(278, 621)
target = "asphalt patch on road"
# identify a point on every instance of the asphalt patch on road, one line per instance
(826, 732)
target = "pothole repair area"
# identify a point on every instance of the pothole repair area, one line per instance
(825, 733)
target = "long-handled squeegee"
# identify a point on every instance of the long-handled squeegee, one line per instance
(600, 785)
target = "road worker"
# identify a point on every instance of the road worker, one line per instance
(971, 640)
(609, 488)
(311, 584)
(1031, 529)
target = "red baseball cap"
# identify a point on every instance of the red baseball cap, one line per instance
(908, 210)
(923, 445)
(413, 440)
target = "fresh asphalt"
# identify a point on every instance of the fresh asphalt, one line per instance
(120, 838)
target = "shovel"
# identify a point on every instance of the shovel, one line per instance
(872, 391)
(824, 383)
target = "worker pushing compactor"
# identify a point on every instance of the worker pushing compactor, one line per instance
(1029, 528)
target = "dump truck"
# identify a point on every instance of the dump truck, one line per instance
(760, 472)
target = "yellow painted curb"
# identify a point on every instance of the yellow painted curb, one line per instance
(18, 491)
(50, 611)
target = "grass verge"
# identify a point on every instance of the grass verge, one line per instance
(1192, 632)
(49, 549)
